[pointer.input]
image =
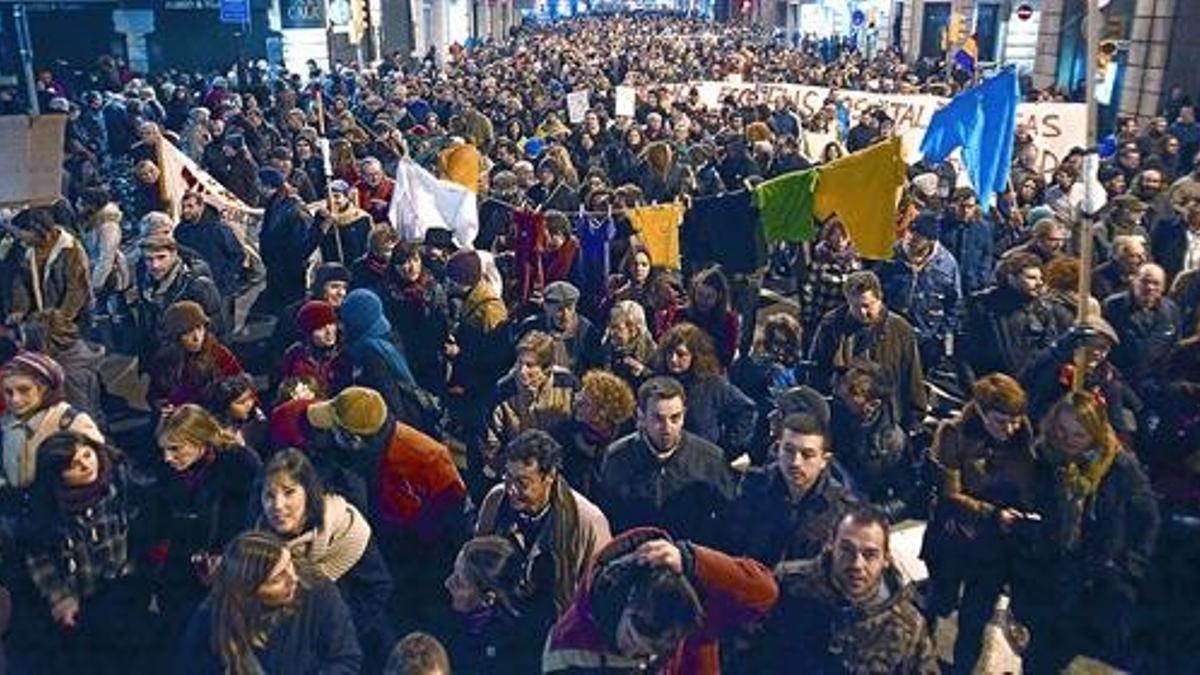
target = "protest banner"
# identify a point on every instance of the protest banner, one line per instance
(181, 175)
(1055, 127)
(31, 159)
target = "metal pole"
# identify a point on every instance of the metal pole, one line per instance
(25, 46)
(1085, 225)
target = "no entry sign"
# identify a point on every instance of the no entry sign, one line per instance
(1024, 11)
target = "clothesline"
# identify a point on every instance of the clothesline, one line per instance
(612, 211)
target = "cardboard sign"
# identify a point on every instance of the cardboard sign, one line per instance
(626, 101)
(577, 106)
(31, 159)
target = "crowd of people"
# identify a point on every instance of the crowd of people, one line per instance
(580, 444)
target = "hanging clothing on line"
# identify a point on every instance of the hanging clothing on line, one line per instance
(785, 205)
(529, 247)
(724, 229)
(658, 228)
(595, 233)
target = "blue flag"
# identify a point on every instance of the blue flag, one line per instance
(982, 121)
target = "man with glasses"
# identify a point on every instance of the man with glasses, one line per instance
(557, 530)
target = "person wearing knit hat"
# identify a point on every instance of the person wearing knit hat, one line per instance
(190, 359)
(371, 350)
(316, 353)
(271, 178)
(35, 408)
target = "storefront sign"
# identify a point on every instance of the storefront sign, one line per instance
(302, 13)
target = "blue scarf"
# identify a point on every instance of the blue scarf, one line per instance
(376, 339)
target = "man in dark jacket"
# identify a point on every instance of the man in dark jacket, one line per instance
(921, 283)
(662, 475)
(577, 340)
(201, 229)
(289, 236)
(866, 329)
(1009, 323)
(1174, 243)
(970, 237)
(788, 509)
(653, 604)
(1148, 325)
(847, 611)
(163, 279)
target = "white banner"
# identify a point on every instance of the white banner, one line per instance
(180, 174)
(1055, 127)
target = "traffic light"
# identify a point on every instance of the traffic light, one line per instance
(360, 20)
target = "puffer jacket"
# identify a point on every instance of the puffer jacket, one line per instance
(735, 592)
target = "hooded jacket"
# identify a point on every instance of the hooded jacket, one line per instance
(735, 592)
(62, 281)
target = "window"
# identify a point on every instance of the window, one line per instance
(987, 31)
(933, 27)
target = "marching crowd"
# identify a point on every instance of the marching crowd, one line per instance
(576, 444)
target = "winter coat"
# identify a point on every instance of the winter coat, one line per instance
(735, 592)
(973, 246)
(63, 281)
(81, 364)
(687, 494)
(568, 537)
(1148, 336)
(21, 440)
(102, 241)
(1005, 329)
(724, 327)
(197, 512)
(766, 523)
(1117, 536)
(420, 313)
(840, 338)
(353, 229)
(415, 488)
(577, 353)
(815, 629)
(929, 296)
(218, 245)
(720, 413)
(1168, 245)
(879, 462)
(153, 299)
(289, 236)
(330, 368)
(178, 378)
(517, 410)
(343, 550)
(316, 638)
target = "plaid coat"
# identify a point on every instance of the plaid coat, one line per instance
(88, 549)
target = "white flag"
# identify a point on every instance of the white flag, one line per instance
(180, 175)
(422, 201)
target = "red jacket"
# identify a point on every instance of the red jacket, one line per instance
(418, 487)
(381, 193)
(333, 372)
(734, 591)
(186, 383)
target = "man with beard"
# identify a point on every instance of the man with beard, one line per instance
(163, 279)
(847, 610)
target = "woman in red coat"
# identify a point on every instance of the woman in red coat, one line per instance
(191, 359)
